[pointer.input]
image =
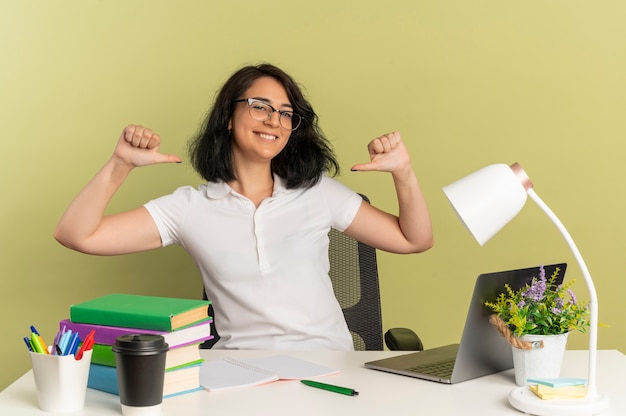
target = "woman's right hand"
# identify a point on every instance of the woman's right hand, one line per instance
(84, 226)
(139, 146)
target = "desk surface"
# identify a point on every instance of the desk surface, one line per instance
(380, 393)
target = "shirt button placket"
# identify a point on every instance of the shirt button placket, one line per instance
(260, 240)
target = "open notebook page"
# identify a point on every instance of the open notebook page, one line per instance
(228, 373)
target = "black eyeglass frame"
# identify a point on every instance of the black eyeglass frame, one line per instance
(281, 113)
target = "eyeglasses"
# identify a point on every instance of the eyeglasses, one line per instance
(262, 111)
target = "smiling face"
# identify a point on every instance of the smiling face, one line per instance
(259, 141)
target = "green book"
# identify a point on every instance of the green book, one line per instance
(103, 355)
(139, 311)
(175, 358)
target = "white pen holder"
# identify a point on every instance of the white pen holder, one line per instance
(61, 381)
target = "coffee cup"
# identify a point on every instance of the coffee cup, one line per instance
(140, 363)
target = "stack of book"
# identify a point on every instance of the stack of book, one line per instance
(558, 388)
(184, 323)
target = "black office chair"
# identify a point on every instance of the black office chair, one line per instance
(354, 275)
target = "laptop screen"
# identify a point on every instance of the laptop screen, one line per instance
(482, 347)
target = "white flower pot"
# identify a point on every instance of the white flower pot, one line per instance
(539, 362)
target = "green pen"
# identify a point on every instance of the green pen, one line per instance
(341, 390)
(36, 343)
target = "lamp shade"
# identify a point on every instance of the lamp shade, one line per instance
(487, 199)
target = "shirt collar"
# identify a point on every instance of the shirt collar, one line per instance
(218, 190)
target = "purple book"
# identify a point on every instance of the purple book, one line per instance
(107, 334)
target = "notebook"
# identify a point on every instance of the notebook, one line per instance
(228, 373)
(482, 350)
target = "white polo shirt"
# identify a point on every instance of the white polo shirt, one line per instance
(265, 269)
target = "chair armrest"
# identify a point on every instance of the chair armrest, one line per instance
(403, 339)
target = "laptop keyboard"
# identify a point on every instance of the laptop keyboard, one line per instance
(438, 368)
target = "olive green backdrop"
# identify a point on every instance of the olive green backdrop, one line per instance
(467, 83)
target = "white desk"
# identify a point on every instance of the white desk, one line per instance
(380, 393)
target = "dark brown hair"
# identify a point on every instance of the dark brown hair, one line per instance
(306, 157)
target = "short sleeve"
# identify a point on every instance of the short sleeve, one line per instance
(169, 213)
(343, 202)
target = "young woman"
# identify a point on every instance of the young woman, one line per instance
(258, 228)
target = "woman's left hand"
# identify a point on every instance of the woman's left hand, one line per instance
(387, 154)
(408, 232)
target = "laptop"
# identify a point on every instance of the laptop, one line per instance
(482, 349)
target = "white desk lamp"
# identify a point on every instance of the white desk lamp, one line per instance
(486, 201)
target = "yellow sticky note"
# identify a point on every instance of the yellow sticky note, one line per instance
(559, 393)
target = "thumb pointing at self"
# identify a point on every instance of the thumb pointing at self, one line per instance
(385, 153)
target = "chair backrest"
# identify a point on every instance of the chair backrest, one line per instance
(354, 274)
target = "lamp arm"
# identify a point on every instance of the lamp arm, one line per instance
(593, 302)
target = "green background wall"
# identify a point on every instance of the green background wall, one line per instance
(467, 83)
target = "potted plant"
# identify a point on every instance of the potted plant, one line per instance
(536, 320)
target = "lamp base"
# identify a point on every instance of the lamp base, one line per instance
(528, 402)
